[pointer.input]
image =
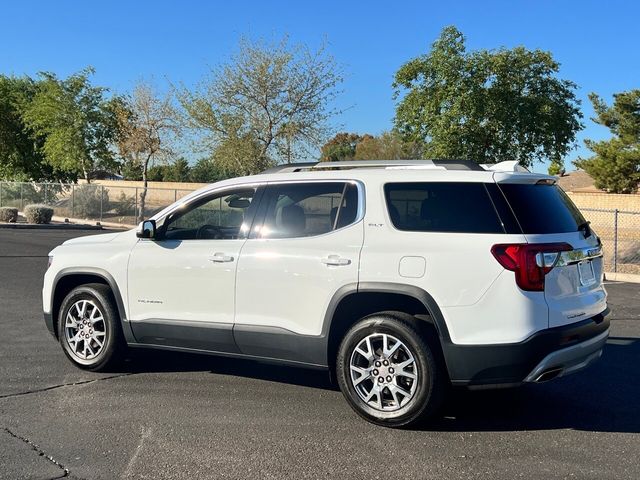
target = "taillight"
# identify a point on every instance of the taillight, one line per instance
(530, 261)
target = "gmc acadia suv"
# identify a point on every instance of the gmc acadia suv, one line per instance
(400, 277)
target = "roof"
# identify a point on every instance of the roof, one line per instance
(377, 170)
(577, 181)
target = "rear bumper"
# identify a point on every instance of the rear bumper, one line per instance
(569, 360)
(543, 356)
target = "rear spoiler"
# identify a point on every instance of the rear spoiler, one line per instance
(508, 166)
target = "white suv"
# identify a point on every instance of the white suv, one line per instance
(401, 278)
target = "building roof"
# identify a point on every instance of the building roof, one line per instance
(577, 181)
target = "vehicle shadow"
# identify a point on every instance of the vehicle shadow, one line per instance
(604, 398)
(147, 360)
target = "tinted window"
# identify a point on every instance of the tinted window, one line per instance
(542, 208)
(307, 209)
(221, 216)
(442, 207)
(505, 214)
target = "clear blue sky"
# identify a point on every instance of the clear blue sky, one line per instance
(597, 42)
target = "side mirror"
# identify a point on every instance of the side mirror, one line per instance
(146, 229)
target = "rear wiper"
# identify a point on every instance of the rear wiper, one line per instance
(585, 229)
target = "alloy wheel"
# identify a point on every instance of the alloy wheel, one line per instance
(384, 372)
(85, 330)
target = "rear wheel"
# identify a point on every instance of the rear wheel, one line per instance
(89, 328)
(388, 372)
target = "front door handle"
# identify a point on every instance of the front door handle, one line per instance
(335, 260)
(220, 258)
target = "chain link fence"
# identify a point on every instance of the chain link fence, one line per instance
(619, 231)
(92, 202)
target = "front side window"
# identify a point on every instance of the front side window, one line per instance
(307, 209)
(223, 216)
(458, 207)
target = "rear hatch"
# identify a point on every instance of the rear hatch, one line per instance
(572, 262)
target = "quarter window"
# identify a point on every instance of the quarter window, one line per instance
(307, 209)
(442, 207)
(542, 208)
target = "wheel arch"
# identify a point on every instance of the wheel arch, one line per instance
(355, 301)
(69, 278)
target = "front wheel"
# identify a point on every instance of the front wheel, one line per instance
(89, 328)
(388, 372)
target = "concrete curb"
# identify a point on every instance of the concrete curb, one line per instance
(79, 221)
(49, 226)
(64, 223)
(622, 277)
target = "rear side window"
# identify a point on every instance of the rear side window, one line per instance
(442, 207)
(308, 209)
(542, 208)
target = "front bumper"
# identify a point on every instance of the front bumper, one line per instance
(545, 355)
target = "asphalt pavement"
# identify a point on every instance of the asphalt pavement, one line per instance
(168, 415)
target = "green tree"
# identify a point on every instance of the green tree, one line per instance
(615, 167)
(146, 124)
(178, 171)
(556, 168)
(21, 155)
(486, 105)
(72, 117)
(386, 146)
(269, 103)
(206, 170)
(157, 173)
(341, 147)
(239, 152)
(18, 150)
(132, 171)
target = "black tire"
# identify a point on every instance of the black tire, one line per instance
(431, 382)
(114, 346)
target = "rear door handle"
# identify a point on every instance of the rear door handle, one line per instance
(220, 258)
(336, 260)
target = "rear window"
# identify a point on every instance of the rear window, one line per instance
(442, 207)
(542, 208)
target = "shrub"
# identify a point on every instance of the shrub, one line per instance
(630, 253)
(11, 194)
(8, 214)
(89, 199)
(125, 205)
(38, 213)
(32, 194)
(22, 193)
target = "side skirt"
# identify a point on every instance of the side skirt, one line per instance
(250, 341)
(277, 361)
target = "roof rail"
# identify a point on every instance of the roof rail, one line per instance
(401, 164)
(390, 164)
(290, 167)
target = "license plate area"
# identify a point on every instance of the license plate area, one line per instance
(586, 274)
